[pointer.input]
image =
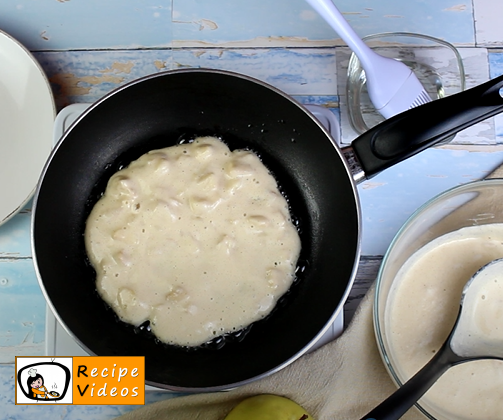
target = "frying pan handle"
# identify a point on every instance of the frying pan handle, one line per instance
(412, 131)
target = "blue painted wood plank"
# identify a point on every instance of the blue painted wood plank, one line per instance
(303, 71)
(229, 21)
(22, 311)
(392, 196)
(90, 24)
(86, 76)
(15, 235)
(495, 64)
(44, 25)
(487, 19)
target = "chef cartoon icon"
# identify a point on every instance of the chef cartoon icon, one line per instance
(45, 381)
(36, 385)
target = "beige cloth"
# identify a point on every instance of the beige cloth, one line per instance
(497, 173)
(342, 380)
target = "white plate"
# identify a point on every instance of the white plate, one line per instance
(27, 113)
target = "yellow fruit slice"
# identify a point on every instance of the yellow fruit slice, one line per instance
(268, 407)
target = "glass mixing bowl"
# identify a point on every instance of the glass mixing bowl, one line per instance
(436, 63)
(476, 203)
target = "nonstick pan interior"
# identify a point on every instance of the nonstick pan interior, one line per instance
(159, 111)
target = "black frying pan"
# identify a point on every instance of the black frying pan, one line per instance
(163, 109)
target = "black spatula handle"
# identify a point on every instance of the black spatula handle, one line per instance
(412, 131)
(396, 405)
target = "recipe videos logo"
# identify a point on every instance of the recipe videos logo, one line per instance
(86, 380)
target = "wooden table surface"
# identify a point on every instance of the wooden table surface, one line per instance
(88, 48)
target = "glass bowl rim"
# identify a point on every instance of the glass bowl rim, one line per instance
(375, 310)
(353, 57)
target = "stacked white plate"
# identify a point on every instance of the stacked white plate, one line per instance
(27, 114)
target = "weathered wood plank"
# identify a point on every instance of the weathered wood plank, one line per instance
(293, 22)
(74, 25)
(86, 76)
(93, 24)
(366, 275)
(22, 311)
(15, 235)
(488, 28)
